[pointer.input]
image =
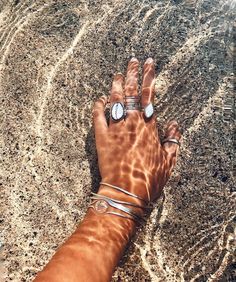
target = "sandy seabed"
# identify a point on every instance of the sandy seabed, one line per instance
(56, 59)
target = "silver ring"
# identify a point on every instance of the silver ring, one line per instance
(148, 110)
(118, 111)
(132, 103)
(171, 140)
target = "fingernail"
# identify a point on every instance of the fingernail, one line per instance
(119, 76)
(119, 73)
(134, 59)
(149, 61)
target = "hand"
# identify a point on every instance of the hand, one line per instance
(130, 154)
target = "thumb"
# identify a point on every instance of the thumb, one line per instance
(170, 143)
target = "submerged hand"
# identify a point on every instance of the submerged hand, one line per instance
(130, 154)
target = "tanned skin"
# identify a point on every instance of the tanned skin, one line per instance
(130, 156)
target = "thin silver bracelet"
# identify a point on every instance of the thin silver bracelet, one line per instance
(99, 196)
(116, 213)
(109, 202)
(124, 191)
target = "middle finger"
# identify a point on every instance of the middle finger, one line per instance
(131, 83)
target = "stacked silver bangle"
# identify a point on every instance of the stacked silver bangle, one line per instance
(101, 204)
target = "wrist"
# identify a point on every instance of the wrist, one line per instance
(122, 200)
(112, 223)
(136, 186)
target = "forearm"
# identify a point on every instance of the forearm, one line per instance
(130, 156)
(92, 252)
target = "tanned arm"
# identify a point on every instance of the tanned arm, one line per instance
(130, 156)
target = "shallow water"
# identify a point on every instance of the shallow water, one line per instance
(55, 60)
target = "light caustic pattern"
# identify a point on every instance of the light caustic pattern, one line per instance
(55, 60)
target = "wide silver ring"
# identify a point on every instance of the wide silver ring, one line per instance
(132, 103)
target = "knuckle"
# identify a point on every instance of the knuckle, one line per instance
(146, 92)
(116, 96)
(131, 92)
(96, 112)
(130, 88)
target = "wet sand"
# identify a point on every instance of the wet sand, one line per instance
(56, 59)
